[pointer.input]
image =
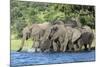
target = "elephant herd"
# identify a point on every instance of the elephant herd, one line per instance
(58, 37)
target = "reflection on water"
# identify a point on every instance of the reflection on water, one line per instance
(25, 58)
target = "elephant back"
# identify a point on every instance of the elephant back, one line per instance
(86, 29)
(35, 30)
(44, 25)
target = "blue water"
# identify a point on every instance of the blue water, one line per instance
(26, 58)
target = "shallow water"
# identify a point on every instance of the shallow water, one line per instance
(26, 58)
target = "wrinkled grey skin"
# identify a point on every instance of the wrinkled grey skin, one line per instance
(57, 37)
(46, 46)
(74, 35)
(46, 43)
(86, 38)
(35, 31)
(60, 37)
(81, 37)
(66, 36)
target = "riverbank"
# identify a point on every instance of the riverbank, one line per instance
(15, 44)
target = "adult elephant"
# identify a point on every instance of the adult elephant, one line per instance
(74, 35)
(60, 37)
(46, 43)
(36, 31)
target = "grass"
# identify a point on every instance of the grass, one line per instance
(15, 44)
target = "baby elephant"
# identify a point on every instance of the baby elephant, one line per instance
(86, 40)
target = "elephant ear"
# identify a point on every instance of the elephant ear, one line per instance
(76, 34)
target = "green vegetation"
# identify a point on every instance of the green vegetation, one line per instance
(25, 13)
(15, 44)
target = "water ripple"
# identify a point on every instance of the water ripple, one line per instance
(25, 58)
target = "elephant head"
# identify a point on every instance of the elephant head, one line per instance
(26, 35)
(58, 36)
(35, 31)
(47, 41)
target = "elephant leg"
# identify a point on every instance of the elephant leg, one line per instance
(86, 48)
(89, 48)
(64, 48)
(61, 48)
(65, 45)
(55, 46)
(75, 47)
(90, 43)
(70, 45)
(80, 44)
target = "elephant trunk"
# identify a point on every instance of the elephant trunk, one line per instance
(22, 44)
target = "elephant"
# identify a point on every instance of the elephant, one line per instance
(73, 23)
(46, 44)
(86, 38)
(35, 31)
(60, 37)
(74, 34)
(26, 35)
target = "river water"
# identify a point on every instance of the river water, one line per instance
(29, 58)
